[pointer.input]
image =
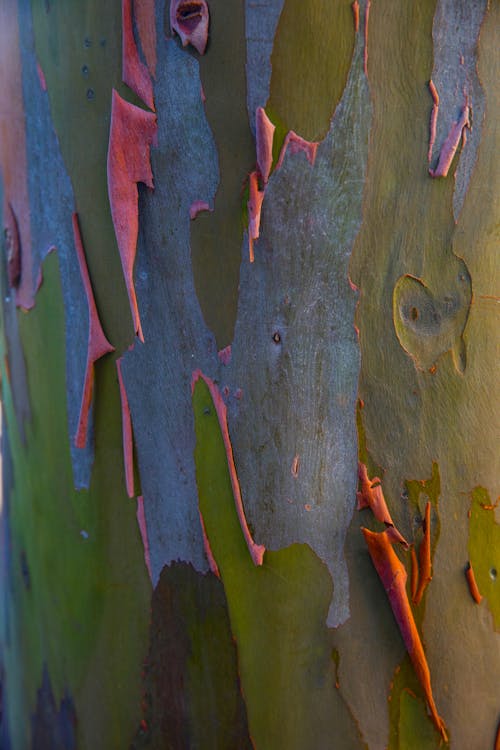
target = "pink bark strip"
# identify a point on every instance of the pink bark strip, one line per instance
(144, 14)
(434, 117)
(225, 355)
(365, 51)
(190, 18)
(256, 550)
(128, 446)
(296, 144)
(254, 206)
(141, 521)
(41, 76)
(208, 550)
(264, 135)
(197, 207)
(132, 132)
(98, 345)
(134, 73)
(449, 147)
(392, 573)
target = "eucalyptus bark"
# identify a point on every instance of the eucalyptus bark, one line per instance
(248, 307)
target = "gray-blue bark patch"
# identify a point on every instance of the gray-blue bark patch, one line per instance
(52, 203)
(158, 373)
(261, 21)
(296, 355)
(455, 34)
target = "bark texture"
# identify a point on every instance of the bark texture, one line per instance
(250, 255)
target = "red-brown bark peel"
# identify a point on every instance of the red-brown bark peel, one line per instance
(135, 74)
(190, 18)
(434, 116)
(144, 14)
(371, 496)
(132, 132)
(254, 205)
(98, 345)
(128, 447)
(449, 147)
(296, 144)
(264, 135)
(392, 573)
(472, 583)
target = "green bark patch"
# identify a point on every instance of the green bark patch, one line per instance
(484, 549)
(277, 612)
(216, 237)
(74, 586)
(410, 725)
(79, 48)
(312, 53)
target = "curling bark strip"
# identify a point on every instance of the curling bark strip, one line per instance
(134, 73)
(449, 147)
(371, 496)
(392, 573)
(132, 132)
(256, 550)
(98, 345)
(264, 136)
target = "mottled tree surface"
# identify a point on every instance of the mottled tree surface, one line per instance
(249, 257)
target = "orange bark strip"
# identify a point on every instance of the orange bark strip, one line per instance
(256, 550)
(414, 574)
(392, 573)
(254, 206)
(424, 555)
(144, 14)
(497, 738)
(13, 144)
(128, 447)
(98, 344)
(264, 135)
(371, 496)
(473, 587)
(134, 73)
(132, 132)
(355, 13)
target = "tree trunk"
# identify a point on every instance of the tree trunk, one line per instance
(248, 368)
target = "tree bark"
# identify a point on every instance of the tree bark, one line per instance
(248, 368)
